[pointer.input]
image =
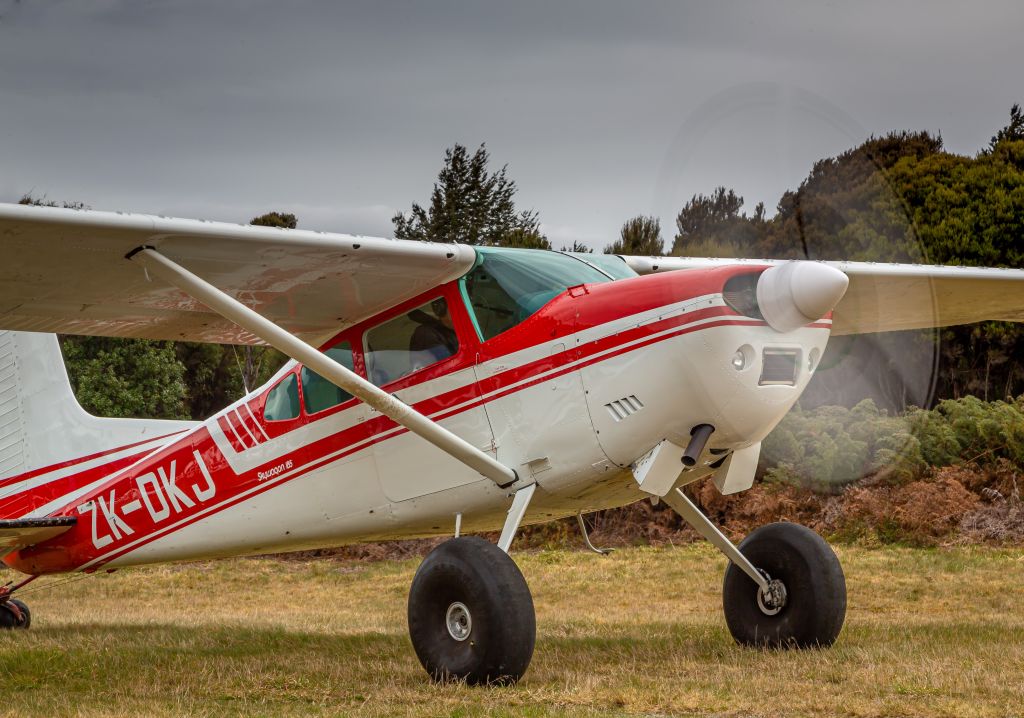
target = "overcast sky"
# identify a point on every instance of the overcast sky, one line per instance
(340, 112)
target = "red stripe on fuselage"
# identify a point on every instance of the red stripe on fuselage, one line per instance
(80, 460)
(562, 317)
(78, 548)
(224, 422)
(28, 500)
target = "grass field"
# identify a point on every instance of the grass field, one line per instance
(928, 633)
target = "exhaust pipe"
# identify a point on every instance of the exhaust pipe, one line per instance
(699, 436)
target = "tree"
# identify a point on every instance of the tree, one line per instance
(525, 239)
(713, 226)
(578, 247)
(276, 219)
(849, 208)
(471, 205)
(702, 212)
(217, 374)
(126, 377)
(1013, 132)
(897, 198)
(639, 236)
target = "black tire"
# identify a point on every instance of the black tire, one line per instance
(815, 606)
(10, 619)
(502, 629)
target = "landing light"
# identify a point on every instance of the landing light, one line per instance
(743, 357)
(812, 359)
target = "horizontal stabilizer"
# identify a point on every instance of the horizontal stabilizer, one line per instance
(19, 533)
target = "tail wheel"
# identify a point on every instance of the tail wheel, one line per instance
(14, 613)
(471, 615)
(807, 604)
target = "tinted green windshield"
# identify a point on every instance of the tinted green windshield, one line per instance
(508, 285)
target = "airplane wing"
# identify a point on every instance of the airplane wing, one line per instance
(891, 297)
(19, 533)
(63, 271)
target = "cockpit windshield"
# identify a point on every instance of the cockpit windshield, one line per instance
(508, 285)
(610, 264)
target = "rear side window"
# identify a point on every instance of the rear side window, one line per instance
(283, 400)
(319, 394)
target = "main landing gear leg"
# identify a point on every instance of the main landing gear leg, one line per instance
(784, 587)
(14, 612)
(471, 615)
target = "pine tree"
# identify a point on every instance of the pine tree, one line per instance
(471, 205)
(713, 226)
(1013, 132)
(639, 236)
(578, 247)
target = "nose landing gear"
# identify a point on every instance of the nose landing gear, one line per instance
(784, 587)
(805, 605)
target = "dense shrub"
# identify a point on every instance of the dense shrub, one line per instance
(829, 447)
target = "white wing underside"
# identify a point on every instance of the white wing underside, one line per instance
(891, 297)
(64, 271)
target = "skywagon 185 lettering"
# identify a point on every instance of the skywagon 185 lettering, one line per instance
(277, 470)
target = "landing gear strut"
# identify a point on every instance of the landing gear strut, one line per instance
(13, 611)
(784, 587)
(471, 615)
(805, 605)
(14, 614)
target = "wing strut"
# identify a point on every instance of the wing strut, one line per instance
(323, 365)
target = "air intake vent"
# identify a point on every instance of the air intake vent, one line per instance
(740, 293)
(621, 408)
(779, 367)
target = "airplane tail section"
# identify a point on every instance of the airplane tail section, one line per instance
(44, 432)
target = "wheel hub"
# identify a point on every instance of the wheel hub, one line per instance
(459, 621)
(772, 600)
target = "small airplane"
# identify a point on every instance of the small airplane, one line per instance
(433, 390)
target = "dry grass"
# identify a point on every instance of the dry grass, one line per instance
(929, 633)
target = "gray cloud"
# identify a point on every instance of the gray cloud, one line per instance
(341, 112)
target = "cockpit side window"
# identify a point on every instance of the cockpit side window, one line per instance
(410, 342)
(509, 285)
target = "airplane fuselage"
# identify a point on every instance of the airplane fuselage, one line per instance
(570, 398)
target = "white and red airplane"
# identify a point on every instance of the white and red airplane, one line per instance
(433, 390)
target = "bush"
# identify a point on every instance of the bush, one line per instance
(830, 447)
